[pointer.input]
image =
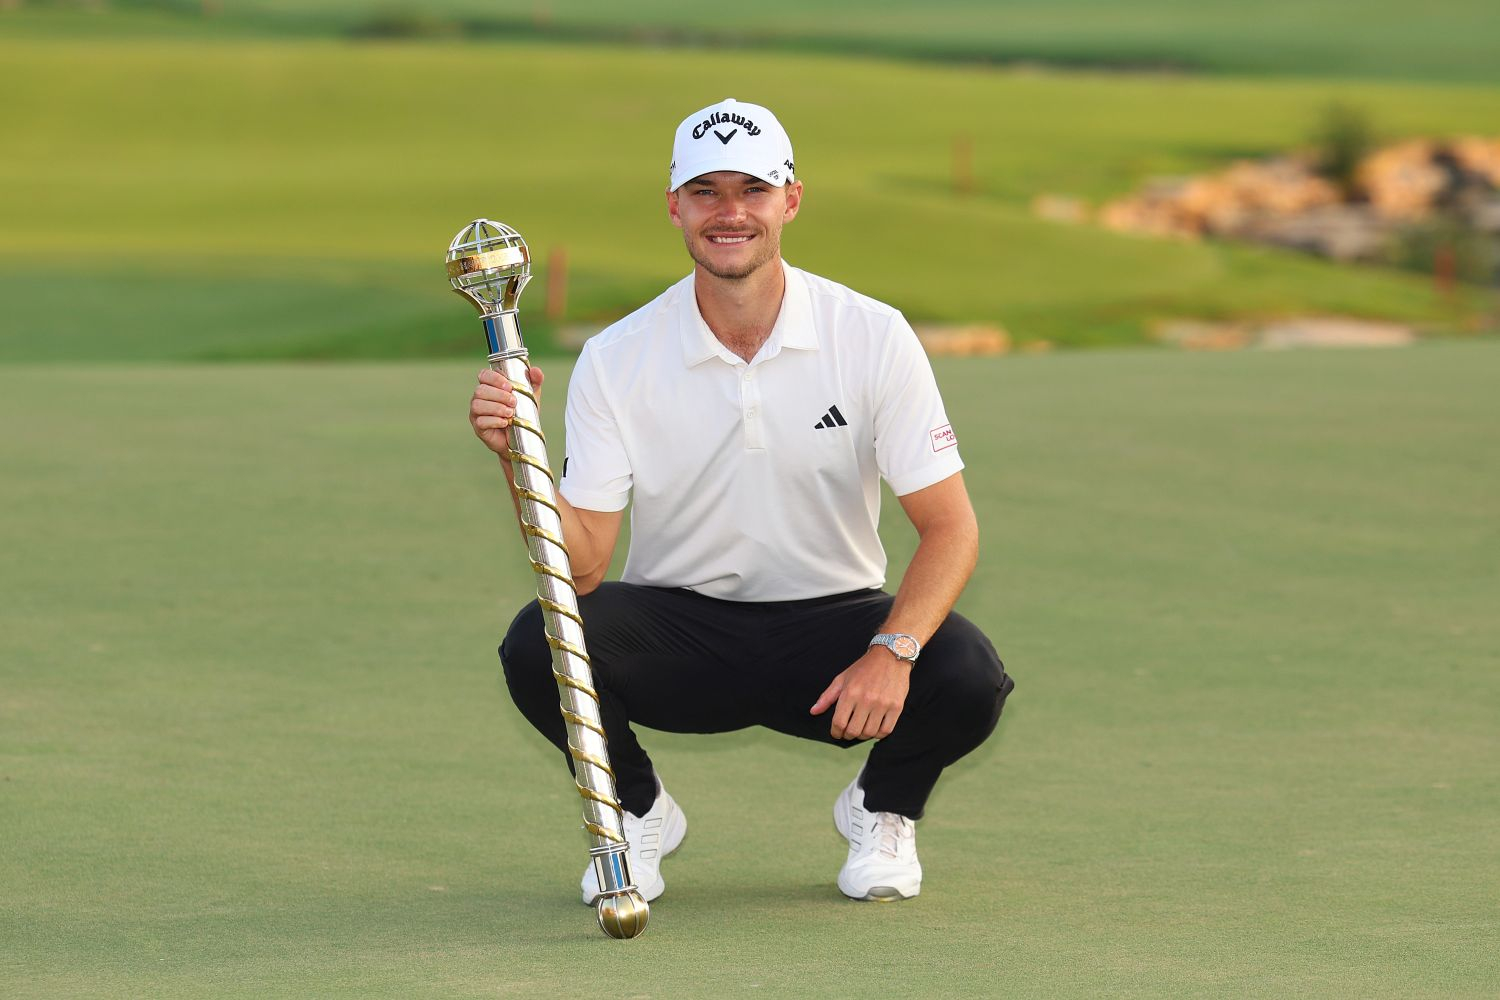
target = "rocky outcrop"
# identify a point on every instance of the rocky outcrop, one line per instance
(1284, 201)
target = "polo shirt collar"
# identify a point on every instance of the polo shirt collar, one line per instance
(794, 324)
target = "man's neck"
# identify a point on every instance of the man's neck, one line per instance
(741, 312)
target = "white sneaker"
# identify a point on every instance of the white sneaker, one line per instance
(651, 838)
(882, 863)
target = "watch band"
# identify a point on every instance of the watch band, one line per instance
(902, 646)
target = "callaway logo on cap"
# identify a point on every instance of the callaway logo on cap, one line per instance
(732, 136)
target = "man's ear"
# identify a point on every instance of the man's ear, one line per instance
(793, 201)
(672, 212)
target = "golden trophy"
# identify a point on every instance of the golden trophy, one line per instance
(489, 265)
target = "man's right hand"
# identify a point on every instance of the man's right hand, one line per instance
(493, 406)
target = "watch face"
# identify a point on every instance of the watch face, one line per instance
(905, 647)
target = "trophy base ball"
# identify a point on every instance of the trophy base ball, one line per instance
(623, 916)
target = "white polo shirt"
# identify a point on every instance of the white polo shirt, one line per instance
(756, 481)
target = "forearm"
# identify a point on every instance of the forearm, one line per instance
(588, 556)
(939, 569)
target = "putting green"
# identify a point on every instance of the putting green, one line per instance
(252, 740)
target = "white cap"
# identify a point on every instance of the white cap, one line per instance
(732, 136)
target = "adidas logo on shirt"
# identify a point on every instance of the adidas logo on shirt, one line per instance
(833, 418)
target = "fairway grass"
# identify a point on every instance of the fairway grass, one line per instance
(1380, 39)
(253, 741)
(170, 199)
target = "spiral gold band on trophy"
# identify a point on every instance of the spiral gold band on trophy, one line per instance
(489, 265)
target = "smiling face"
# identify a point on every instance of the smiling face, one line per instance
(731, 222)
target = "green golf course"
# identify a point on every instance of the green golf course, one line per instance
(253, 740)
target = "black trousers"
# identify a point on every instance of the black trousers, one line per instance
(680, 662)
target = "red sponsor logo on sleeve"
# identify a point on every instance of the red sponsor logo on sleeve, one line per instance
(943, 437)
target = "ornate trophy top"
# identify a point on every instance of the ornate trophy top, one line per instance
(489, 265)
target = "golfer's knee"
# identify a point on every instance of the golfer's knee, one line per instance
(972, 682)
(525, 656)
(977, 702)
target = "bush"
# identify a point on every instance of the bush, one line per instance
(1342, 139)
(403, 23)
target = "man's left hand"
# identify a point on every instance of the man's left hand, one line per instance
(869, 695)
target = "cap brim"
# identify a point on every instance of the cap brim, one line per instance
(714, 165)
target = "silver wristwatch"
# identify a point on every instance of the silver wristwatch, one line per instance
(906, 647)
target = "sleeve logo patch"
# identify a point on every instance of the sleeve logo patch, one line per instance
(943, 437)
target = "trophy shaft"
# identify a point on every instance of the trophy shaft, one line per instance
(503, 334)
(542, 524)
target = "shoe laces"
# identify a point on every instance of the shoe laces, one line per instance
(891, 831)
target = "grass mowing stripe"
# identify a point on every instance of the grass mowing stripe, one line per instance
(252, 740)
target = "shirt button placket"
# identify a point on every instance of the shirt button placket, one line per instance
(750, 411)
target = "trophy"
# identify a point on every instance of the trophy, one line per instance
(489, 265)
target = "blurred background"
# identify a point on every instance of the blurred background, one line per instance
(261, 179)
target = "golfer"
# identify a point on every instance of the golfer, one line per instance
(745, 416)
